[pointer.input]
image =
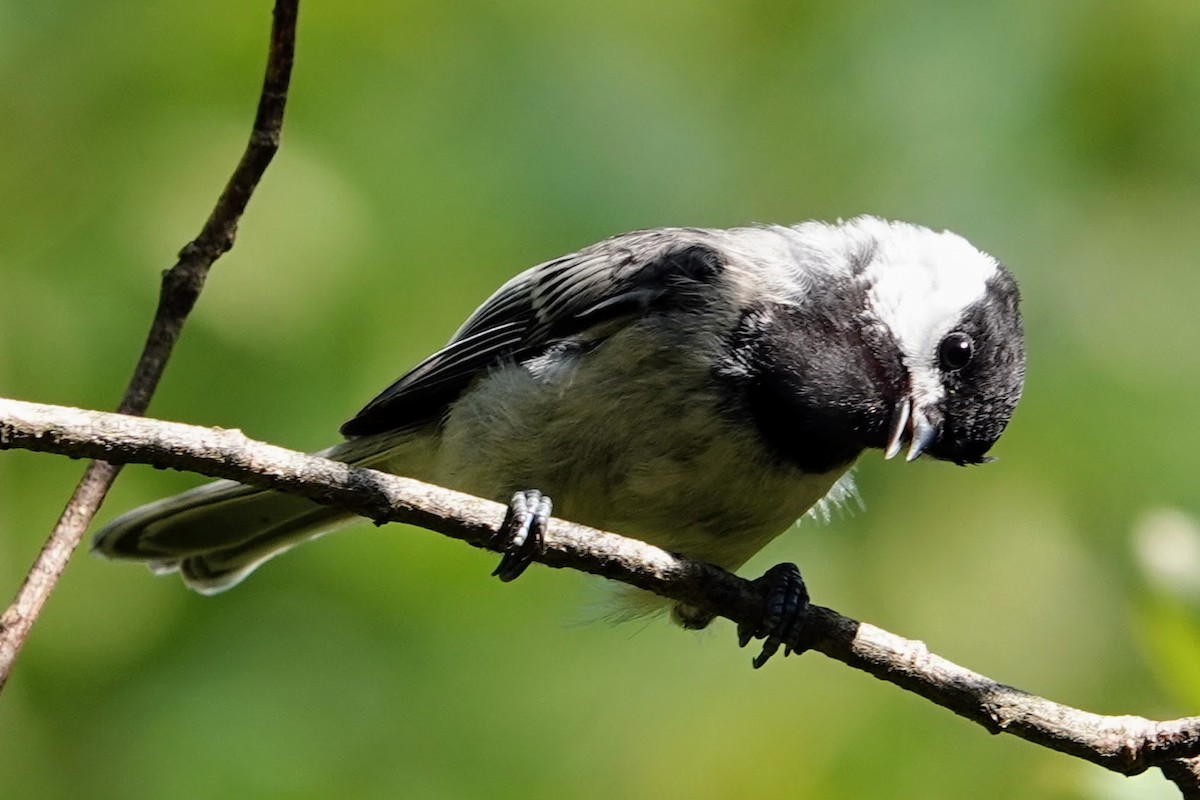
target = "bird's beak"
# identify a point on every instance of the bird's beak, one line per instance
(913, 425)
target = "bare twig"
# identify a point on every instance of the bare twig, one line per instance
(1125, 744)
(181, 286)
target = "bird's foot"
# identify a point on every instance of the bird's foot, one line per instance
(521, 536)
(784, 619)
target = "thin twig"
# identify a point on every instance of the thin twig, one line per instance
(181, 287)
(1125, 744)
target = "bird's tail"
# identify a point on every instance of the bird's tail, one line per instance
(217, 534)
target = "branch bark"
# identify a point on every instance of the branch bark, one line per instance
(181, 287)
(1124, 744)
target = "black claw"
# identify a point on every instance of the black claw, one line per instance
(784, 621)
(522, 534)
(745, 634)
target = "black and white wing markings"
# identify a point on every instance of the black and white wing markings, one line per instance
(625, 276)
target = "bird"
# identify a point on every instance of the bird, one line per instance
(698, 389)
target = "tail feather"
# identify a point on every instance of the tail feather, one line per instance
(218, 570)
(217, 534)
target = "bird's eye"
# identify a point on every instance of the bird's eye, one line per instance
(955, 351)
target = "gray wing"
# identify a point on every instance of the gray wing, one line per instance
(625, 276)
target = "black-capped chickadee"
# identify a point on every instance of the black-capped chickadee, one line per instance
(697, 389)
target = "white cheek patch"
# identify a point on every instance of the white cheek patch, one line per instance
(921, 283)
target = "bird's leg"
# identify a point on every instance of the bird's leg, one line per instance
(785, 614)
(522, 534)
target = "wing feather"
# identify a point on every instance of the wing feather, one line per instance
(624, 276)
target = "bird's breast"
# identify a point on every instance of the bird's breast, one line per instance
(630, 437)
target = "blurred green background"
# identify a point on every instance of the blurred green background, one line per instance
(433, 149)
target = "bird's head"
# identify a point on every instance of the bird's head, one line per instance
(951, 312)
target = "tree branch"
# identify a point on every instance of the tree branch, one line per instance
(1124, 744)
(181, 287)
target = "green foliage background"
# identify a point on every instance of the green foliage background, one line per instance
(431, 150)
